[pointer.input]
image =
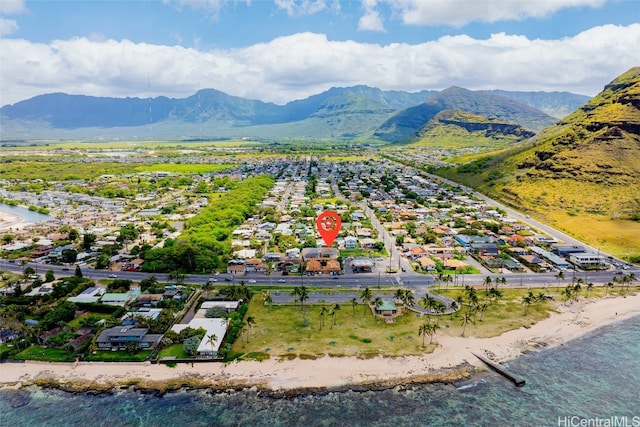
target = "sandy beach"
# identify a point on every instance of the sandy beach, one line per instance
(8, 221)
(452, 360)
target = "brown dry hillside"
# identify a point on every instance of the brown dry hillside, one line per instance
(582, 174)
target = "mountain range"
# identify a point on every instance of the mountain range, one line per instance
(582, 173)
(358, 112)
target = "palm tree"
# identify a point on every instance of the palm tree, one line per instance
(304, 295)
(454, 307)
(250, 322)
(212, 339)
(466, 318)
(527, 302)
(447, 278)
(589, 287)
(501, 280)
(487, 282)
(429, 303)
(432, 331)
(354, 303)
(482, 308)
(268, 300)
(424, 330)
(398, 296)
(365, 296)
(323, 311)
(335, 310)
(609, 285)
(559, 277)
(408, 298)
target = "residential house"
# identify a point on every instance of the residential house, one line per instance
(119, 337)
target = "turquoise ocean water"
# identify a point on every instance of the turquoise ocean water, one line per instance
(593, 379)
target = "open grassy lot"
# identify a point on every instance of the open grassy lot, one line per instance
(118, 356)
(75, 323)
(288, 331)
(174, 350)
(37, 352)
(504, 314)
(281, 331)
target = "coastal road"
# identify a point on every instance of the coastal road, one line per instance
(409, 279)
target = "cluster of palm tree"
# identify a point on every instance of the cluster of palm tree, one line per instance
(404, 296)
(300, 294)
(332, 312)
(432, 305)
(531, 298)
(474, 306)
(498, 281)
(446, 278)
(428, 329)
(625, 280)
(572, 291)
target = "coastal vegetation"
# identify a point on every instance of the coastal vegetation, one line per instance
(313, 330)
(205, 244)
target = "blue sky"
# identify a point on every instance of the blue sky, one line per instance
(282, 50)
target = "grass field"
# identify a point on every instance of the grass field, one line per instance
(75, 323)
(174, 350)
(37, 352)
(118, 356)
(281, 331)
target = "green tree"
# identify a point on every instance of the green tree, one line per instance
(191, 344)
(250, 322)
(102, 261)
(527, 301)
(78, 272)
(73, 235)
(69, 256)
(466, 318)
(212, 339)
(87, 240)
(423, 331)
(365, 296)
(49, 276)
(334, 311)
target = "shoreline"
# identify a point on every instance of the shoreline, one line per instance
(10, 220)
(451, 362)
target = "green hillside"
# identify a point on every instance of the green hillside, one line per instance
(455, 129)
(404, 125)
(582, 174)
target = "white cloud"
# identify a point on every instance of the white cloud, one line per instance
(303, 64)
(306, 7)
(460, 12)
(371, 20)
(211, 7)
(7, 26)
(10, 7)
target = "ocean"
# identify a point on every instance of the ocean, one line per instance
(595, 379)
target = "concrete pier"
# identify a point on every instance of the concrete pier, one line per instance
(518, 381)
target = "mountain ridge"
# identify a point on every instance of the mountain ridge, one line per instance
(348, 112)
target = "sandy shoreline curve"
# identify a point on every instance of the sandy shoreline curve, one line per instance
(451, 361)
(9, 220)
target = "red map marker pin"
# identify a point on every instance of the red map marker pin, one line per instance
(328, 224)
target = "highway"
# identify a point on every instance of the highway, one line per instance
(409, 279)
